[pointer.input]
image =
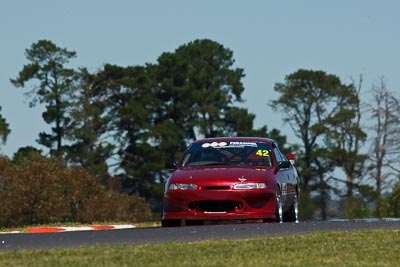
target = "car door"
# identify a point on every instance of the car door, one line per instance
(285, 177)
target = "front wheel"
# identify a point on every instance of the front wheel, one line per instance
(278, 206)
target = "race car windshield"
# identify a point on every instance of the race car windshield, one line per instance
(228, 153)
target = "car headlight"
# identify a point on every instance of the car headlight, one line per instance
(182, 187)
(242, 186)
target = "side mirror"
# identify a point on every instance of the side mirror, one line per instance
(284, 165)
(170, 165)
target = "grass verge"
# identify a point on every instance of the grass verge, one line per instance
(368, 248)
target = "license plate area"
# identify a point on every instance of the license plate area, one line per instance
(215, 206)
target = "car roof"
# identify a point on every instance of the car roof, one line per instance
(236, 139)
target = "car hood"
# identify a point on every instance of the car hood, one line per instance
(218, 175)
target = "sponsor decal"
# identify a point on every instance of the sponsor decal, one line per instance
(214, 144)
(230, 144)
(242, 144)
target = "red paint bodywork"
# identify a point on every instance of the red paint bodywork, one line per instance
(215, 198)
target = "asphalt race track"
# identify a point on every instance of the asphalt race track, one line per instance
(136, 236)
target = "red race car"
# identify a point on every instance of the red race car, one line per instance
(231, 178)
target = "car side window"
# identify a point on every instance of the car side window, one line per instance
(278, 155)
(283, 156)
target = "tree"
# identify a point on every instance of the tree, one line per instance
(391, 203)
(55, 87)
(126, 100)
(312, 102)
(198, 86)
(4, 129)
(346, 137)
(26, 155)
(90, 145)
(239, 122)
(385, 149)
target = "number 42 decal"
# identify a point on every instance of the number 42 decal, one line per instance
(262, 153)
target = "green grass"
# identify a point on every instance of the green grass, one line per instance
(369, 248)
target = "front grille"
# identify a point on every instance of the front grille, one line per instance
(215, 188)
(215, 206)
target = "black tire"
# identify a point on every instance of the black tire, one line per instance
(278, 206)
(170, 223)
(291, 215)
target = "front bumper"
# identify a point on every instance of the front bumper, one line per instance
(219, 205)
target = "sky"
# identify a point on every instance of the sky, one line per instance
(269, 40)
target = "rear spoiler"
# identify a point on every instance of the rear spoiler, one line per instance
(291, 157)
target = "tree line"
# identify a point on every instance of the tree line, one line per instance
(124, 123)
